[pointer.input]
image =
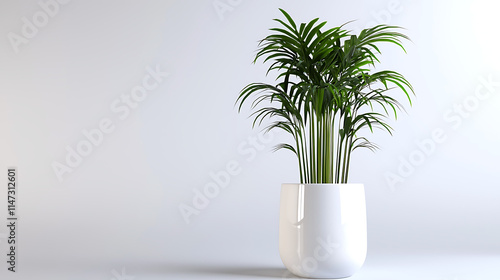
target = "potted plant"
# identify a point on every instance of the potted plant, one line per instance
(326, 92)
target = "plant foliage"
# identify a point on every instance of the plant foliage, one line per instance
(326, 91)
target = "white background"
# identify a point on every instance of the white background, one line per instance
(117, 212)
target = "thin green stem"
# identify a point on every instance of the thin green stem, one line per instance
(348, 160)
(299, 156)
(344, 161)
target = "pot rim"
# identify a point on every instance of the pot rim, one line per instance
(323, 184)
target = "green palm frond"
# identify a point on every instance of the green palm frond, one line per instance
(326, 92)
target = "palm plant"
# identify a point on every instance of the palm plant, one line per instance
(325, 92)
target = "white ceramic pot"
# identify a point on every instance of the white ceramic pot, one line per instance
(322, 230)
